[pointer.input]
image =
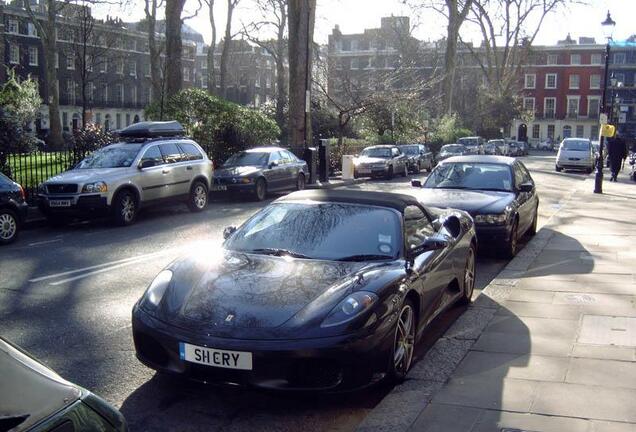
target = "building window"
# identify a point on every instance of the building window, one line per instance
(105, 93)
(57, 60)
(204, 64)
(567, 131)
(70, 91)
(91, 91)
(257, 100)
(530, 81)
(595, 81)
(204, 81)
(593, 107)
(14, 54)
(528, 104)
(127, 119)
(33, 56)
(596, 59)
(32, 30)
(268, 81)
(355, 63)
(575, 59)
(13, 27)
(132, 68)
(120, 66)
(257, 82)
(118, 120)
(103, 65)
(186, 74)
(551, 81)
(594, 132)
(65, 120)
(147, 70)
(354, 45)
(580, 130)
(346, 45)
(536, 131)
(133, 95)
(119, 95)
(573, 106)
(70, 62)
(619, 77)
(551, 131)
(98, 119)
(619, 58)
(553, 59)
(575, 81)
(549, 105)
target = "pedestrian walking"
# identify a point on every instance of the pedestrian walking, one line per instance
(616, 155)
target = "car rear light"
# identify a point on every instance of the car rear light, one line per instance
(212, 164)
(22, 193)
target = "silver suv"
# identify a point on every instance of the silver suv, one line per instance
(153, 163)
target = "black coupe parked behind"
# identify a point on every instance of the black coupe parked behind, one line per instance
(13, 209)
(320, 290)
(497, 191)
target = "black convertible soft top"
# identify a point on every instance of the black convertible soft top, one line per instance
(381, 199)
(29, 391)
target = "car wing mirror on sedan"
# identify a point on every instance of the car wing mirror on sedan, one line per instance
(227, 232)
(146, 164)
(453, 226)
(272, 164)
(526, 187)
(416, 183)
(428, 245)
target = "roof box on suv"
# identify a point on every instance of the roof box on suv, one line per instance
(153, 129)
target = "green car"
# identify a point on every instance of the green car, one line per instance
(34, 398)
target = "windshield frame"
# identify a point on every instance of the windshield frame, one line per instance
(508, 167)
(387, 149)
(265, 153)
(400, 245)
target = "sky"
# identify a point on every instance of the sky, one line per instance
(353, 16)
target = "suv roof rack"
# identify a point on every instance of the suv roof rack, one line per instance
(152, 129)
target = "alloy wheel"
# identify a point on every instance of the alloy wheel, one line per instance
(300, 182)
(127, 208)
(404, 340)
(200, 196)
(8, 226)
(469, 276)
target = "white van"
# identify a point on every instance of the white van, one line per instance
(575, 154)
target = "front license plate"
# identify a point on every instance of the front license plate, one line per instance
(217, 188)
(215, 357)
(364, 170)
(60, 203)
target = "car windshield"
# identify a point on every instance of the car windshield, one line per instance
(453, 148)
(410, 150)
(376, 152)
(576, 145)
(247, 159)
(120, 156)
(468, 175)
(330, 231)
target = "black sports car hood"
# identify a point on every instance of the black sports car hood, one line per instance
(472, 201)
(236, 171)
(236, 293)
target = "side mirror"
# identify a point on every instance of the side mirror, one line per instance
(453, 226)
(416, 183)
(272, 164)
(526, 187)
(227, 232)
(428, 245)
(146, 164)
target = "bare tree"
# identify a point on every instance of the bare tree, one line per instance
(46, 31)
(174, 46)
(211, 49)
(274, 14)
(227, 42)
(154, 49)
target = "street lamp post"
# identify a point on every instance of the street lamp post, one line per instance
(608, 28)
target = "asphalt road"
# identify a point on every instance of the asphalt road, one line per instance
(66, 296)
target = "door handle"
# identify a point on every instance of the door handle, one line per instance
(165, 171)
(189, 168)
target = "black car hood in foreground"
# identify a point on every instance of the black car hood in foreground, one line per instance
(472, 201)
(29, 390)
(248, 295)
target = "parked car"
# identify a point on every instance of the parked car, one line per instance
(524, 147)
(152, 163)
(491, 149)
(502, 146)
(473, 144)
(34, 398)
(381, 161)
(13, 209)
(575, 154)
(498, 192)
(450, 150)
(546, 145)
(261, 170)
(419, 157)
(320, 290)
(514, 149)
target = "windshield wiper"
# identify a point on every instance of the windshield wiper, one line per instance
(364, 257)
(494, 189)
(277, 252)
(451, 187)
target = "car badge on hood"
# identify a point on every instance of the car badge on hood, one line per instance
(229, 318)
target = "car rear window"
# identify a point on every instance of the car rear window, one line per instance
(576, 145)
(190, 152)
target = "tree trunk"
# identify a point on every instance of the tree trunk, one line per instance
(155, 57)
(174, 70)
(281, 79)
(211, 49)
(301, 15)
(226, 47)
(449, 57)
(55, 139)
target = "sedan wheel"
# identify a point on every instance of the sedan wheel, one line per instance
(469, 277)
(389, 173)
(510, 249)
(406, 171)
(261, 189)
(404, 343)
(8, 227)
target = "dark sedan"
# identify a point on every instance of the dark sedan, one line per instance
(259, 171)
(419, 157)
(34, 398)
(497, 191)
(320, 290)
(13, 209)
(450, 150)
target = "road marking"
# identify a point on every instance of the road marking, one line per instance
(45, 242)
(107, 265)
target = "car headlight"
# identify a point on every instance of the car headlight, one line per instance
(246, 180)
(99, 186)
(42, 188)
(350, 308)
(491, 219)
(157, 288)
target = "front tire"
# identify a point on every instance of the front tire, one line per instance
(9, 226)
(469, 277)
(558, 168)
(403, 343)
(511, 246)
(389, 173)
(198, 199)
(260, 189)
(124, 208)
(406, 171)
